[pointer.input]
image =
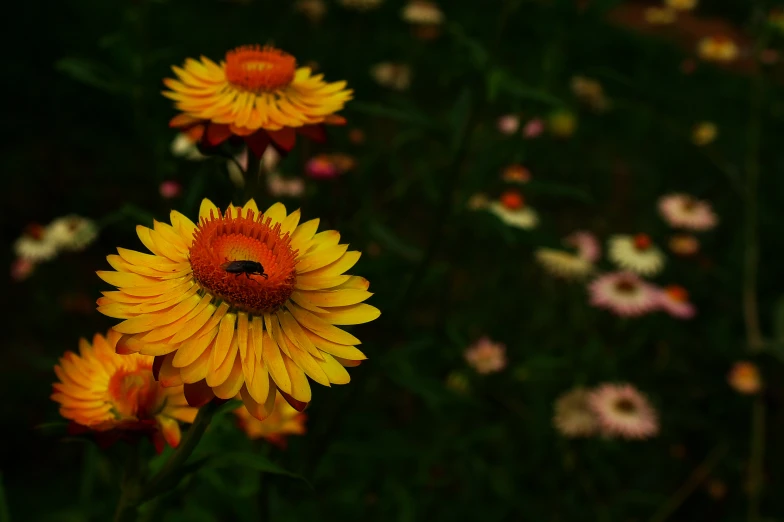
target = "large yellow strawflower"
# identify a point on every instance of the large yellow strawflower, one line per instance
(255, 328)
(117, 394)
(258, 94)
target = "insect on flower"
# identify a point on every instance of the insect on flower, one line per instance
(244, 267)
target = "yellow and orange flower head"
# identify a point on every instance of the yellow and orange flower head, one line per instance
(258, 331)
(258, 94)
(284, 421)
(117, 395)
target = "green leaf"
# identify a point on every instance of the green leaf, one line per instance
(518, 89)
(252, 461)
(89, 73)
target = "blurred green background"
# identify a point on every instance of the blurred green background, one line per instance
(88, 134)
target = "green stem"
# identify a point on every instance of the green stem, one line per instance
(756, 458)
(162, 480)
(129, 488)
(696, 478)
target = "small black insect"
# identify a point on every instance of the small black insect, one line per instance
(244, 267)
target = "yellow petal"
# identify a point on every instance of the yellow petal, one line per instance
(317, 325)
(348, 260)
(275, 365)
(219, 370)
(354, 314)
(197, 370)
(332, 298)
(189, 329)
(259, 410)
(320, 258)
(290, 223)
(338, 350)
(277, 213)
(208, 207)
(335, 372)
(124, 279)
(194, 348)
(308, 364)
(233, 383)
(251, 205)
(300, 389)
(308, 282)
(303, 234)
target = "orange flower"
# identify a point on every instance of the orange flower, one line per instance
(102, 391)
(257, 94)
(745, 378)
(285, 420)
(245, 302)
(718, 49)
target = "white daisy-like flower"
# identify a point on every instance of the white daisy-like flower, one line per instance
(573, 415)
(72, 232)
(636, 253)
(361, 5)
(587, 245)
(422, 12)
(561, 263)
(623, 412)
(512, 210)
(624, 294)
(395, 76)
(674, 300)
(184, 147)
(35, 245)
(685, 211)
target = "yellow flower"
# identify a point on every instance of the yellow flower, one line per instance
(104, 391)
(258, 94)
(704, 133)
(717, 49)
(682, 5)
(660, 15)
(285, 420)
(561, 263)
(422, 12)
(745, 378)
(244, 302)
(562, 124)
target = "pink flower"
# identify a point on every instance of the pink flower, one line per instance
(623, 412)
(508, 124)
(674, 300)
(21, 269)
(533, 128)
(685, 211)
(624, 294)
(485, 356)
(170, 189)
(319, 167)
(587, 245)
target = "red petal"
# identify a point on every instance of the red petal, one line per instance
(284, 138)
(217, 133)
(297, 405)
(257, 143)
(156, 366)
(314, 132)
(334, 119)
(198, 394)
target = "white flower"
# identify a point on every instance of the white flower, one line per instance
(636, 253)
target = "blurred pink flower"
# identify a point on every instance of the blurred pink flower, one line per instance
(685, 211)
(485, 356)
(674, 300)
(21, 269)
(624, 294)
(319, 167)
(587, 245)
(170, 189)
(533, 128)
(623, 412)
(508, 124)
(280, 186)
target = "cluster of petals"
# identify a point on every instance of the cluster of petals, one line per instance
(103, 391)
(576, 264)
(257, 94)
(624, 412)
(328, 166)
(283, 421)
(573, 415)
(43, 243)
(486, 356)
(636, 253)
(512, 210)
(245, 302)
(422, 12)
(396, 76)
(624, 293)
(718, 49)
(687, 212)
(744, 377)
(674, 300)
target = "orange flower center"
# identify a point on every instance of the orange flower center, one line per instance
(642, 241)
(35, 231)
(512, 200)
(134, 393)
(244, 261)
(677, 293)
(625, 286)
(259, 69)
